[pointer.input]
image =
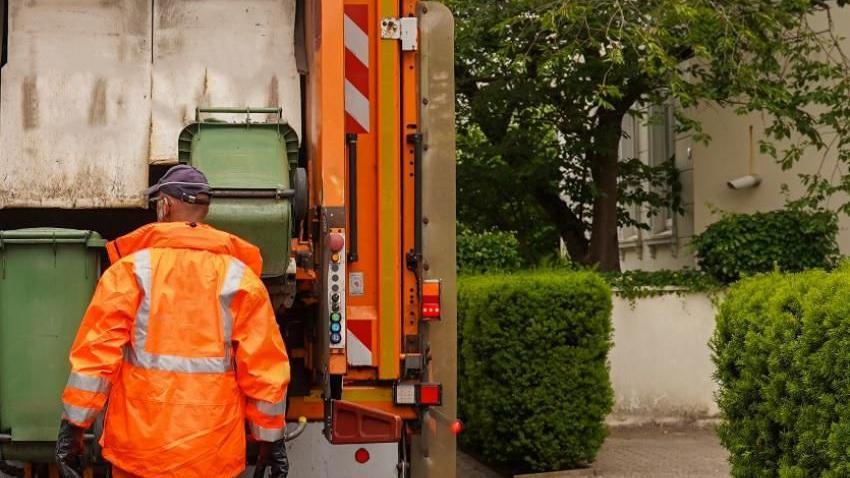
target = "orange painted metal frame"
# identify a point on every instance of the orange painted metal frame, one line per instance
(385, 180)
(325, 128)
(313, 406)
(410, 120)
(325, 116)
(379, 193)
(365, 307)
(390, 261)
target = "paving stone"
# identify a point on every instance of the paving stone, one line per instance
(640, 452)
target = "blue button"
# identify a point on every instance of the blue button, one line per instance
(336, 327)
(336, 338)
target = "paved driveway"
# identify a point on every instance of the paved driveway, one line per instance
(662, 452)
(643, 452)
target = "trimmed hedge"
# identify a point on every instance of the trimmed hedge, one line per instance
(534, 384)
(782, 352)
(789, 240)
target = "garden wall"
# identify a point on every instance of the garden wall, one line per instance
(661, 368)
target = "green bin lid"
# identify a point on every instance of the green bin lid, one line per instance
(51, 235)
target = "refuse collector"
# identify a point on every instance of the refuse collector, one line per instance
(181, 339)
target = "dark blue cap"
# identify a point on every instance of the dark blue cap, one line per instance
(183, 182)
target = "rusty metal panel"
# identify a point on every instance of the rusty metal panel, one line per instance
(433, 451)
(74, 105)
(220, 53)
(95, 90)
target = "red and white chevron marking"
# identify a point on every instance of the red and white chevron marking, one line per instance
(357, 69)
(359, 343)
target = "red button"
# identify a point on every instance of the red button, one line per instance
(336, 242)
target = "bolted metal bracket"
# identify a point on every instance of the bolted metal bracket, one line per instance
(413, 364)
(405, 29)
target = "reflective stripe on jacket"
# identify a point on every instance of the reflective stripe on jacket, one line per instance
(181, 337)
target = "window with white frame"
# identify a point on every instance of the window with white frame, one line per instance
(662, 147)
(629, 149)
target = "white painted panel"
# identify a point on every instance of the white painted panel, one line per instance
(311, 456)
(661, 367)
(75, 106)
(220, 53)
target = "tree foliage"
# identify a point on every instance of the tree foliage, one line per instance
(491, 251)
(543, 87)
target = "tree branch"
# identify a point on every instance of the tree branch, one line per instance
(571, 229)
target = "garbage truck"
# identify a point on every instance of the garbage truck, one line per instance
(326, 130)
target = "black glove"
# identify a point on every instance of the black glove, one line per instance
(69, 450)
(272, 456)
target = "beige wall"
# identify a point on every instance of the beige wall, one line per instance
(726, 157)
(661, 367)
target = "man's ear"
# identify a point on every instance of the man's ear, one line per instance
(167, 206)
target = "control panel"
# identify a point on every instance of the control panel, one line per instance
(336, 292)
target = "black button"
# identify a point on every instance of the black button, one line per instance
(335, 288)
(334, 277)
(335, 297)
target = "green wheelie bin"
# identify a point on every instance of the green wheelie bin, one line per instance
(252, 169)
(47, 278)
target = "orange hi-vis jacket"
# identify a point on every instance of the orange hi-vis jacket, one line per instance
(181, 338)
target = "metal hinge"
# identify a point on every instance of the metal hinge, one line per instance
(405, 29)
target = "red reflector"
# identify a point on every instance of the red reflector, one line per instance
(430, 394)
(336, 242)
(431, 300)
(361, 455)
(457, 427)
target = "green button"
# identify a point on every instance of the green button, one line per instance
(336, 317)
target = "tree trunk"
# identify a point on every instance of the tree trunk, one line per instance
(570, 228)
(604, 250)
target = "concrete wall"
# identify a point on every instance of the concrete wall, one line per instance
(661, 367)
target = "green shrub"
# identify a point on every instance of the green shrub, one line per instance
(534, 385)
(782, 352)
(789, 240)
(479, 252)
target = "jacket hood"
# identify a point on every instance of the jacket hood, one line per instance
(184, 235)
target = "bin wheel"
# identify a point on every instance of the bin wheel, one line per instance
(302, 198)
